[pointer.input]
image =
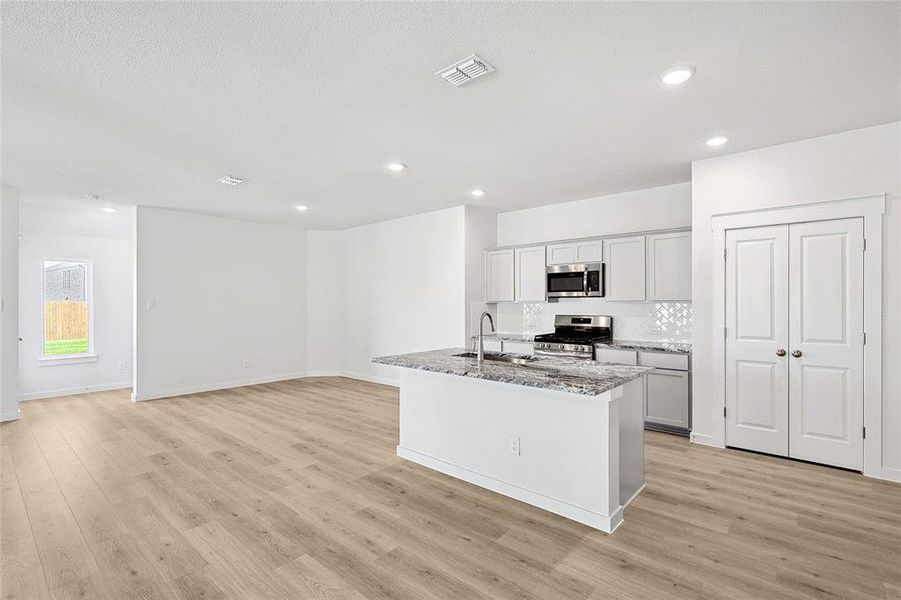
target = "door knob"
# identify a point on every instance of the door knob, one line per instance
(796, 353)
(780, 352)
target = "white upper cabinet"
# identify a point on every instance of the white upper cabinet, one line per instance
(529, 274)
(625, 265)
(669, 266)
(499, 276)
(575, 252)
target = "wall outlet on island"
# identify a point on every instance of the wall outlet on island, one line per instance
(246, 363)
(514, 444)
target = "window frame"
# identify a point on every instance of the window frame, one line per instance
(81, 357)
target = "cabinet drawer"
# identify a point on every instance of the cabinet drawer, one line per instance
(663, 360)
(518, 347)
(612, 355)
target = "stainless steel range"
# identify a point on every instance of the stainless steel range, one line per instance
(575, 336)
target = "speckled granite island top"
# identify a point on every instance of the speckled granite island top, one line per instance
(549, 372)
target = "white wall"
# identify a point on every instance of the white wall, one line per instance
(110, 248)
(223, 291)
(391, 287)
(9, 293)
(666, 207)
(846, 165)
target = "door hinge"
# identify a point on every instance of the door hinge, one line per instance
(725, 333)
(724, 412)
(864, 433)
(864, 338)
(864, 244)
(725, 250)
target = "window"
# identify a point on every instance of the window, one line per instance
(67, 308)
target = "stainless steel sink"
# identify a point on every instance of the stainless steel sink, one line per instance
(516, 360)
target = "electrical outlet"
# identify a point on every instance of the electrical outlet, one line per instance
(514, 444)
(246, 363)
(121, 365)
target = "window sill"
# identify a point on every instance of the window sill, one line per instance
(72, 359)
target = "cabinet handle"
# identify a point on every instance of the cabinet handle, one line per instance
(796, 354)
(780, 352)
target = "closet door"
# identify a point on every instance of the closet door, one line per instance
(826, 342)
(757, 339)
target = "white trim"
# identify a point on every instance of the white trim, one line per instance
(66, 359)
(211, 387)
(359, 376)
(870, 209)
(703, 439)
(634, 496)
(72, 391)
(9, 417)
(605, 523)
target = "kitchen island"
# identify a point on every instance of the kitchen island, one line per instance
(562, 434)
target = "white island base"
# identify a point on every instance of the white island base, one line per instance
(575, 455)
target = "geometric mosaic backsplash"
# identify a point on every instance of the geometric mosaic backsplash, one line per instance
(649, 321)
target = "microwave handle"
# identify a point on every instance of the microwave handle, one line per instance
(585, 281)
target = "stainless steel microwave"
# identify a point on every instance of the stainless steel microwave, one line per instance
(580, 280)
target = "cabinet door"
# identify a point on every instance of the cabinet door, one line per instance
(666, 398)
(575, 252)
(590, 251)
(499, 276)
(530, 277)
(561, 254)
(625, 268)
(669, 266)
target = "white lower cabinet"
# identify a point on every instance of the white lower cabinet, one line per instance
(666, 398)
(492, 345)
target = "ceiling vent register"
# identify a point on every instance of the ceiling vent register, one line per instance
(465, 70)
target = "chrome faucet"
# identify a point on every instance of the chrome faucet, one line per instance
(481, 355)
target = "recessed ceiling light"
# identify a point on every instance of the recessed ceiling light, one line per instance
(477, 193)
(677, 75)
(230, 180)
(397, 167)
(109, 209)
(717, 141)
(302, 207)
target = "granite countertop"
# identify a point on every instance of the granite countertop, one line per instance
(548, 372)
(653, 346)
(649, 345)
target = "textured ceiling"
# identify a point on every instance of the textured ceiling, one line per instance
(150, 103)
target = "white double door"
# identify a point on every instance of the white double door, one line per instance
(794, 341)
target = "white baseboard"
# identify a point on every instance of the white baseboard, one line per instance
(9, 416)
(211, 387)
(704, 439)
(361, 377)
(85, 389)
(605, 523)
(885, 473)
(635, 495)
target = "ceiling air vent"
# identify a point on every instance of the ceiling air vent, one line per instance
(465, 70)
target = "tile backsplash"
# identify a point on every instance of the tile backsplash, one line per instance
(657, 321)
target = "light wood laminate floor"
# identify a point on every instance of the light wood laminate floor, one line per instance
(293, 490)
